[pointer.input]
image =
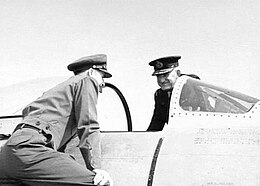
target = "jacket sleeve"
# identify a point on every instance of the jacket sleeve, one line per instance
(86, 94)
(158, 120)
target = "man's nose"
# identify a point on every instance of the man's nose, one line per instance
(161, 79)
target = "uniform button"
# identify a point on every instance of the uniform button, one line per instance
(38, 123)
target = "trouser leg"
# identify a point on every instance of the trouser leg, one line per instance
(29, 160)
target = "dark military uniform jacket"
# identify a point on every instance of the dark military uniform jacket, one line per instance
(161, 110)
(66, 110)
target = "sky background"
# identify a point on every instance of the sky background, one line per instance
(217, 40)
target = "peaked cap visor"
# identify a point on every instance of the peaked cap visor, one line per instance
(106, 73)
(163, 71)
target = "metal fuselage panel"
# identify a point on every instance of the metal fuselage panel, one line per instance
(208, 148)
(127, 156)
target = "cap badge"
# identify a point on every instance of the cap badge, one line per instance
(158, 64)
(170, 65)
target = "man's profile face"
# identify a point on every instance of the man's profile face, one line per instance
(98, 76)
(166, 81)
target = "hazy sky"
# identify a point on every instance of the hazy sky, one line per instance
(218, 40)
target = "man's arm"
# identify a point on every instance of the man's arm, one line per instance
(158, 119)
(86, 94)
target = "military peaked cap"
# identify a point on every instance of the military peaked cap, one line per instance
(98, 61)
(165, 64)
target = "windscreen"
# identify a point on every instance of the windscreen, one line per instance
(203, 97)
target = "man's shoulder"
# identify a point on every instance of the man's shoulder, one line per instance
(80, 78)
(158, 92)
(75, 81)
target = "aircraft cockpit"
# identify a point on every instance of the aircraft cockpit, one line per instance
(199, 96)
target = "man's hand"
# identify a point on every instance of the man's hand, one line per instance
(102, 178)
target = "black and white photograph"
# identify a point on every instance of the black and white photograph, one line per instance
(129, 92)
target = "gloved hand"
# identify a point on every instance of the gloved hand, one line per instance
(102, 178)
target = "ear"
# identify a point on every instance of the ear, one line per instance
(91, 71)
(178, 73)
(95, 72)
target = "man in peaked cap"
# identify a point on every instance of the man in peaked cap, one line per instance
(166, 70)
(34, 154)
